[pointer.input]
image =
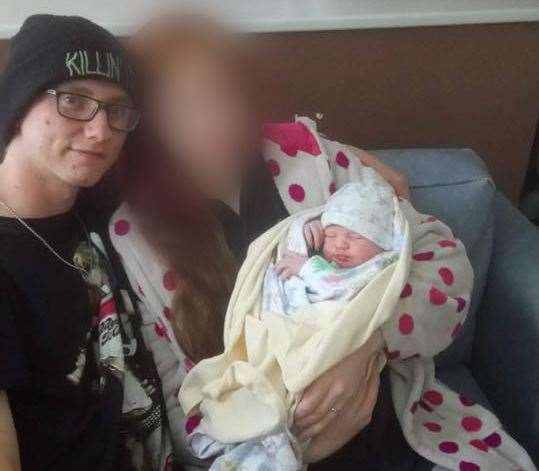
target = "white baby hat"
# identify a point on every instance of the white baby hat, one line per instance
(366, 207)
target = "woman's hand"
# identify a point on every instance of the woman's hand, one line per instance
(339, 392)
(290, 265)
(355, 416)
(397, 180)
(313, 231)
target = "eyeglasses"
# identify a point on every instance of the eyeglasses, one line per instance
(84, 108)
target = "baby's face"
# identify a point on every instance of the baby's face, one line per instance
(347, 248)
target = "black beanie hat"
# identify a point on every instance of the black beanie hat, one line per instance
(49, 49)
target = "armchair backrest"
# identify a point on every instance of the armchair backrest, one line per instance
(455, 186)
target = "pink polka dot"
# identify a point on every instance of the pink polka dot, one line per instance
(493, 440)
(160, 329)
(406, 291)
(471, 423)
(413, 408)
(332, 188)
(423, 256)
(167, 312)
(461, 303)
(447, 243)
(432, 426)
(406, 324)
(169, 281)
(448, 447)
(430, 219)
(292, 137)
(446, 275)
(434, 397)
(468, 466)
(479, 444)
(296, 192)
(191, 423)
(121, 227)
(342, 160)
(273, 167)
(437, 297)
(466, 401)
(456, 331)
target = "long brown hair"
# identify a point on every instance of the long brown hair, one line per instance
(174, 218)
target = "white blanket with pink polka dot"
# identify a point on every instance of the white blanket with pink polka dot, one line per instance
(419, 303)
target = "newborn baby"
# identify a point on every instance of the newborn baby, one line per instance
(358, 235)
(356, 238)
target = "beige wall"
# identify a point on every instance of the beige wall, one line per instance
(455, 86)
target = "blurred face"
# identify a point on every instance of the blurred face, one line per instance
(76, 153)
(347, 248)
(202, 115)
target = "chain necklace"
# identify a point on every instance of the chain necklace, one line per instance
(44, 242)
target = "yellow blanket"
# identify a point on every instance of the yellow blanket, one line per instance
(270, 358)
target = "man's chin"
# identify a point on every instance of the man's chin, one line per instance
(84, 180)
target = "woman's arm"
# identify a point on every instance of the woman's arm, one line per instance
(344, 396)
(354, 417)
(397, 180)
(344, 165)
(435, 300)
(9, 447)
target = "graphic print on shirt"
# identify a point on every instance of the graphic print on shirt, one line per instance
(86, 260)
(106, 320)
(76, 375)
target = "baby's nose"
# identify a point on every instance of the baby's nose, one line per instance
(342, 242)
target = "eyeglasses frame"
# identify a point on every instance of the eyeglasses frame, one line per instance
(101, 105)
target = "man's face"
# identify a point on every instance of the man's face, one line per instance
(347, 248)
(78, 153)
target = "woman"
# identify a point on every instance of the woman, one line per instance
(194, 202)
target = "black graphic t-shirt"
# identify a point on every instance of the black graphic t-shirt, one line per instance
(65, 418)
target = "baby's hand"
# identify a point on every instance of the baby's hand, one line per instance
(290, 265)
(313, 232)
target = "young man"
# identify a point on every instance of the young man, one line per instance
(77, 389)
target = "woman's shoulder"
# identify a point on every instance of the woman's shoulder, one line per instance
(121, 218)
(127, 238)
(121, 225)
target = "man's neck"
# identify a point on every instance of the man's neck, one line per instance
(30, 193)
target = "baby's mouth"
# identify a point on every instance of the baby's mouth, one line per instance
(340, 259)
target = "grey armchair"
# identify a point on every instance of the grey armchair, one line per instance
(495, 360)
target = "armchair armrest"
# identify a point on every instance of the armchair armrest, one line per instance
(505, 358)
